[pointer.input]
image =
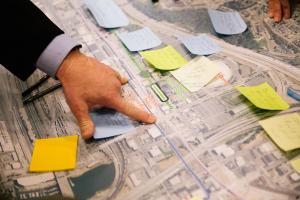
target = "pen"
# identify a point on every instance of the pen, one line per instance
(42, 93)
(36, 85)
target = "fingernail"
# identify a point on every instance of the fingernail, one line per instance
(151, 118)
(84, 125)
(277, 19)
(86, 129)
(125, 79)
(271, 15)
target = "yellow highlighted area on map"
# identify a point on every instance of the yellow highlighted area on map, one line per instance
(263, 96)
(54, 154)
(166, 58)
(296, 165)
(284, 130)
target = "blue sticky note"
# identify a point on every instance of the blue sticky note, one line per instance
(109, 123)
(140, 40)
(227, 23)
(200, 45)
(107, 13)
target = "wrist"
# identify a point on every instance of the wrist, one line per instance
(67, 63)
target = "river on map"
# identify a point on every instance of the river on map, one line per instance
(89, 183)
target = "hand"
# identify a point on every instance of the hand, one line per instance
(87, 84)
(277, 8)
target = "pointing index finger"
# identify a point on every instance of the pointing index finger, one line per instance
(134, 112)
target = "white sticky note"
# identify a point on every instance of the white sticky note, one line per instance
(197, 73)
(140, 40)
(107, 13)
(227, 23)
(109, 123)
(200, 45)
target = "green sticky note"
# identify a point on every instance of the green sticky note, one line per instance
(166, 58)
(296, 165)
(54, 154)
(284, 130)
(263, 96)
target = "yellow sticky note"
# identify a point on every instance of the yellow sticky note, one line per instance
(264, 96)
(196, 198)
(166, 58)
(296, 165)
(197, 73)
(284, 130)
(54, 154)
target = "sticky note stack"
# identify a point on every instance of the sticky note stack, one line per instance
(227, 23)
(107, 13)
(197, 73)
(166, 58)
(139, 40)
(200, 45)
(264, 96)
(285, 132)
(54, 154)
(296, 165)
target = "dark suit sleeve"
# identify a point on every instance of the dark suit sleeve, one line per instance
(25, 33)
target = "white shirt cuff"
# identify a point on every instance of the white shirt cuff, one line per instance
(54, 54)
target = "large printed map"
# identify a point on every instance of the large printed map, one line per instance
(205, 145)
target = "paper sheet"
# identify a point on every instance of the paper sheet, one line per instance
(54, 154)
(109, 123)
(166, 58)
(197, 73)
(284, 130)
(140, 40)
(264, 96)
(227, 23)
(296, 165)
(107, 13)
(200, 45)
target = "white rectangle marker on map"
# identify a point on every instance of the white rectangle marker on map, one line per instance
(139, 40)
(109, 123)
(107, 13)
(227, 23)
(200, 45)
(197, 73)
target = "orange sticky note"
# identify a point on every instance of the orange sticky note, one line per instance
(54, 154)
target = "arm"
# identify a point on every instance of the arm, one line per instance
(25, 34)
(31, 39)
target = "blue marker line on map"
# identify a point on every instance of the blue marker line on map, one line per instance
(295, 94)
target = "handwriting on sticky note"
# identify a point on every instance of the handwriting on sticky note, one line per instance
(140, 40)
(107, 13)
(109, 123)
(227, 23)
(166, 58)
(284, 130)
(54, 154)
(296, 165)
(200, 45)
(263, 96)
(197, 73)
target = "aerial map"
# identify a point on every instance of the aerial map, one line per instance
(205, 145)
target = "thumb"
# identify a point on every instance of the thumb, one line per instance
(86, 125)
